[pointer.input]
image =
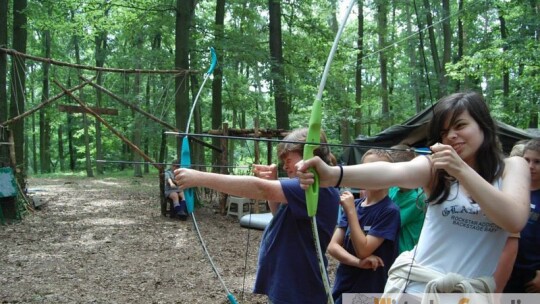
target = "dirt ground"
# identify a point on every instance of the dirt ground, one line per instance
(104, 240)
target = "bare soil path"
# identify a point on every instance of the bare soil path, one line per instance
(103, 240)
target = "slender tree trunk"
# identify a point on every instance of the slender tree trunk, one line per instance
(413, 62)
(358, 72)
(460, 39)
(433, 46)
(217, 83)
(88, 164)
(447, 47)
(278, 73)
(382, 29)
(184, 11)
(100, 56)
(424, 65)
(4, 136)
(137, 137)
(506, 74)
(145, 137)
(70, 128)
(18, 84)
(44, 120)
(34, 145)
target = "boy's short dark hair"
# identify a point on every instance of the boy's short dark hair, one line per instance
(533, 144)
(401, 153)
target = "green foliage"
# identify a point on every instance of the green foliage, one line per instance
(140, 34)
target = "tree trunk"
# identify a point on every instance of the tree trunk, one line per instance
(4, 136)
(433, 46)
(447, 47)
(382, 29)
(184, 11)
(276, 63)
(413, 62)
(100, 56)
(358, 72)
(44, 120)
(460, 39)
(18, 84)
(217, 83)
(506, 74)
(88, 164)
(61, 148)
(137, 121)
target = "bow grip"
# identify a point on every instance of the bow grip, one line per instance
(313, 136)
(185, 162)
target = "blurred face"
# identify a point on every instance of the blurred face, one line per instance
(289, 160)
(464, 135)
(533, 159)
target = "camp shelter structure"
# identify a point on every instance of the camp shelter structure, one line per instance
(413, 132)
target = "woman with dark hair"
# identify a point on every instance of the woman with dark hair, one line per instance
(475, 199)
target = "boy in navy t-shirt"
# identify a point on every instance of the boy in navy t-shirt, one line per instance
(288, 267)
(525, 276)
(366, 239)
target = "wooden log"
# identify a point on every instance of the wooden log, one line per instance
(79, 109)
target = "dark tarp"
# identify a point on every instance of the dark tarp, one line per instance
(413, 133)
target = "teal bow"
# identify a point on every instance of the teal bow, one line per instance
(185, 162)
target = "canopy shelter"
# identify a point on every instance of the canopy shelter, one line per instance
(413, 132)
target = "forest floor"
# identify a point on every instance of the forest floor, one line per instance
(104, 240)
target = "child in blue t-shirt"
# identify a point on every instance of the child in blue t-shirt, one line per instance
(366, 239)
(525, 276)
(288, 267)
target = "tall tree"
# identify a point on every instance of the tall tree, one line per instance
(18, 84)
(4, 151)
(433, 46)
(100, 40)
(88, 163)
(382, 30)
(184, 11)
(447, 45)
(44, 120)
(137, 123)
(276, 63)
(217, 83)
(506, 73)
(358, 70)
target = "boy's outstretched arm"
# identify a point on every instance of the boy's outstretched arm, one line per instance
(238, 185)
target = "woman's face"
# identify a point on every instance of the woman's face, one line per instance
(464, 135)
(289, 161)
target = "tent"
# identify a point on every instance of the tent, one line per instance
(413, 132)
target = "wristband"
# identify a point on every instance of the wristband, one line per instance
(340, 176)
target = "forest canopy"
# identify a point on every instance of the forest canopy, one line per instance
(394, 59)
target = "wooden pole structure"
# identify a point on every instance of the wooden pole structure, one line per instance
(150, 116)
(92, 68)
(106, 124)
(43, 104)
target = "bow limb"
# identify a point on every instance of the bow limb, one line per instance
(314, 136)
(186, 153)
(189, 195)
